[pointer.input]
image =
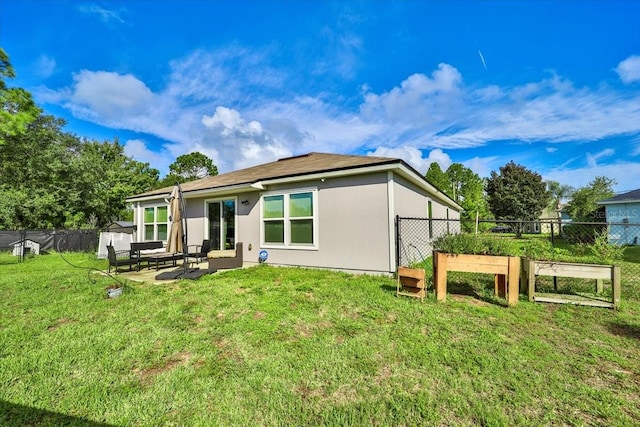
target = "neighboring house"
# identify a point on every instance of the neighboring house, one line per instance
(314, 210)
(623, 216)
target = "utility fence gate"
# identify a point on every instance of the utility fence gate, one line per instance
(415, 237)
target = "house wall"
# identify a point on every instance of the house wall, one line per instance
(416, 244)
(353, 226)
(619, 215)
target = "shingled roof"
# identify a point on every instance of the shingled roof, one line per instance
(284, 168)
(629, 197)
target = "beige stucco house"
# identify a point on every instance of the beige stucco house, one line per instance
(314, 210)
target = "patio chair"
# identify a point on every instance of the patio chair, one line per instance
(121, 258)
(201, 250)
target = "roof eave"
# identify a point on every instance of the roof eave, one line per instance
(617, 202)
(396, 165)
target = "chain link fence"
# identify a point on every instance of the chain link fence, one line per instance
(577, 240)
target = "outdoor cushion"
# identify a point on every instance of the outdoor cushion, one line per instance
(152, 251)
(230, 253)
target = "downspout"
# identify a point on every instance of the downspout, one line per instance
(391, 218)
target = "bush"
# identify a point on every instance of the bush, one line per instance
(476, 245)
(582, 233)
(605, 251)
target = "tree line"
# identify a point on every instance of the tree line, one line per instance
(50, 178)
(516, 193)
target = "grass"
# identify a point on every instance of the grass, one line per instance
(276, 346)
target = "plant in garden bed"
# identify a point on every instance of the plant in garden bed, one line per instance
(478, 254)
(476, 245)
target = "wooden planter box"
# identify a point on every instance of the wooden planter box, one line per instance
(532, 268)
(411, 282)
(506, 270)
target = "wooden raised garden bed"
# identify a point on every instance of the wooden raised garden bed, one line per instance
(505, 268)
(533, 268)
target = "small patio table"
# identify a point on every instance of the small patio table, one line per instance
(162, 259)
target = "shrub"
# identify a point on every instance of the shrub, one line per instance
(476, 245)
(537, 249)
(605, 251)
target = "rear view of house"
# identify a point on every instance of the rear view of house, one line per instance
(314, 210)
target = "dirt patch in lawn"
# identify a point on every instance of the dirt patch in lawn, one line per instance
(147, 375)
(59, 323)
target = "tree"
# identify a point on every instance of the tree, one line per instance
(104, 178)
(439, 179)
(516, 193)
(188, 167)
(583, 206)
(34, 171)
(465, 187)
(17, 108)
(51, 179)
(558, 192)
(468, 191)
(193, 166)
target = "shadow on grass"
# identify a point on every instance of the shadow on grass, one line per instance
(624, 330)
(466, 289)
(459, 288)
(12, 414)
(388, 288)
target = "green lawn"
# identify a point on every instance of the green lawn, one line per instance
(276, 346)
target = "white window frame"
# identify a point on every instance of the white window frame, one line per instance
(287, 220)
(155, 222)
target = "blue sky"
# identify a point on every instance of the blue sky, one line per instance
(551, 85)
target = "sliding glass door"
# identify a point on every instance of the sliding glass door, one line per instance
(222, 224)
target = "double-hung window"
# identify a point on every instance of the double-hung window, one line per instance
(290, 219)
(156, 221)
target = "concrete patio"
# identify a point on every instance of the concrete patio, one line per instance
(148, 274)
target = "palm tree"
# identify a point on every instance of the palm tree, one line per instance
(559, 193)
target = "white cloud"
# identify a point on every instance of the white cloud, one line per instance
(629, 69)
(246, 143)
(483, 165)
(339, 53)
(45, 66)
(105, 15)
(419, 99)
(548, 111)
(235, 106)
(414, 157)
(550, 149)
(636, 146)
(626, 174)
(592, 159)
(230, 122)
(138, 149)
(109, 96)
